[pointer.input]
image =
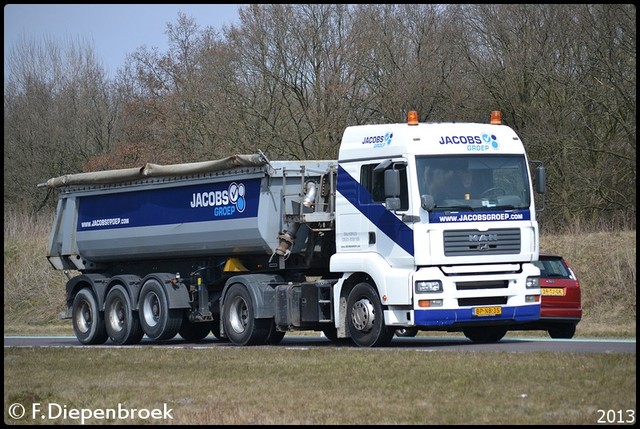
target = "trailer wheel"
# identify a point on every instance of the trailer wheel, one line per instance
(158, 321)
(240, 324)
(365, 318)
(88, 322)
(121, 321)
(485, 334)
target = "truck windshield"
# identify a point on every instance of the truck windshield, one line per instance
(475, 181)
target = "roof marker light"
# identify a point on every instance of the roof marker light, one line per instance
(496, 117)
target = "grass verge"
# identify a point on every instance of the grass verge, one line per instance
(277, 385)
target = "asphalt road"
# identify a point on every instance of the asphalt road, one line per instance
(421, 343)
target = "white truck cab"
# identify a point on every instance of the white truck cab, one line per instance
(440, 219)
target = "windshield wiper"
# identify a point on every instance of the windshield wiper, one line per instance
(505, 207)
(453, 208)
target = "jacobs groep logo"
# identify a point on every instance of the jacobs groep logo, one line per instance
(225, 202)
(491, 140)
(379, 141)
(473, 143)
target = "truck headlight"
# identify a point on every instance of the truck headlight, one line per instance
(533, 282)
(423, 286)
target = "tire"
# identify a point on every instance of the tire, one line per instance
(274, 336)
(563, 331)
(194, 331)
(238, 316)
(158, 321)
(485, 334)
(215, 330)
(332, 335)
(406, 332)
(88, 321)
(215, 324)
(121, 321)
(365, 318)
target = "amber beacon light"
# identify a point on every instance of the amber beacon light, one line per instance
(496, 117)
(412, 117)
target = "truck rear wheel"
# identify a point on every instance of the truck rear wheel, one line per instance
(365, 317)
(194, 331)
(274, 336)
(215, 330)
(121, 321)
(158, 321)
(240, 324)
(88, 322)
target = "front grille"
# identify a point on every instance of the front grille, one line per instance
(490, 300)
(474, 242)
(493, 284)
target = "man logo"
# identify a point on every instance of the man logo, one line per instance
(482, 238)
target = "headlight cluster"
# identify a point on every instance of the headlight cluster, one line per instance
(533, 282)
(427, 286)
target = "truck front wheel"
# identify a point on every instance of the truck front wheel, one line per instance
(158, 321)
(122, 323)
(485, 334)
(240, 324)
(365, 317)
(88, 322)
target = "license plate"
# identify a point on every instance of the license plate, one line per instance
(487, 311)
(554, 291)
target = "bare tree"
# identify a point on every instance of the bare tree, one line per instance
(290, 77)
(564, 75)
(58, 114)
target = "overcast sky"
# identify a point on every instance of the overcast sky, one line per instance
(114, 30)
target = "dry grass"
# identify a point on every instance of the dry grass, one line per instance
(34, 292)
(605, 263)
(278, 385)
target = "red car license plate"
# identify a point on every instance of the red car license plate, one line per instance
(553, 291)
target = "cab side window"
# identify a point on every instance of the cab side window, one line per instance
(373, 182)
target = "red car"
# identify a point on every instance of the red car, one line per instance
(561, 302)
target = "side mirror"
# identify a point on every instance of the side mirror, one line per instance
(391, 183)
(541, 179)
(427, 202)
(392, 189)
